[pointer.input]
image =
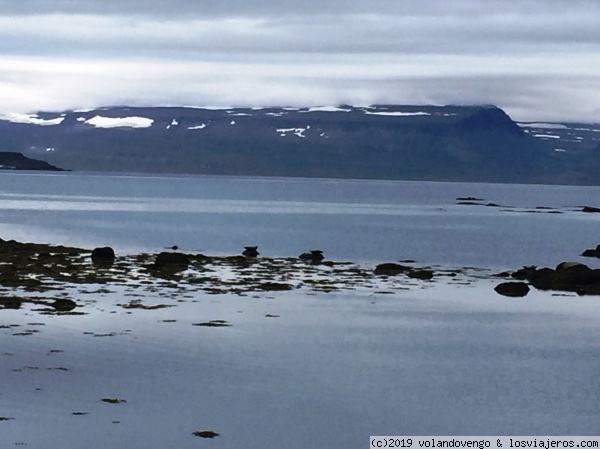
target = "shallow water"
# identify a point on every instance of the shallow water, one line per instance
(326, 371)
(302, 368)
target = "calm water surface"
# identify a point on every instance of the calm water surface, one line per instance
(362, 221)
(448, 357)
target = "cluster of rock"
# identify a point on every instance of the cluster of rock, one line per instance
(573, 277)
(32, 273)
(315, 255)
(567, 276)
(31, 267)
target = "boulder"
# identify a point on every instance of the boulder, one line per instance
(168, 260)
(590, 209)
(315, 255)
(570, 266)
(592, 252)
(512, 289)
(103, 256)
(250, 251)
(63, 305)
(391, 269)
(420, 274)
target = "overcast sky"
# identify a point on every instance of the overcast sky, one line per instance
(538, 60)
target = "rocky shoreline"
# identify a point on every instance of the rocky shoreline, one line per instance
(34, 273)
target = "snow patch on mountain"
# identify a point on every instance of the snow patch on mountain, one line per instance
(33, 119)
(200, 126)
(296, 131)
(546, 136)
(120, 122)
(396, 113)
(328, 109)
(543, 125)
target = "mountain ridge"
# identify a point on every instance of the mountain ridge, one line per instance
(446, 143)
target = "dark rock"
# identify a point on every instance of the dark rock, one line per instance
(420, 274)
(512, 289)
(213, 323)
(524, 273)
(175, 261)
(114, 400)
(570, 266)
(315, 255)
(391, 269)
(592, 252)
(12, 302)
(205, 434)
(468, 198)
(590, 209)
(64, 305)
(250, 251)
(103, 256)
(275, 286)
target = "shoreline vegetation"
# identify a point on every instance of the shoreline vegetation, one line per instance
(39, 274)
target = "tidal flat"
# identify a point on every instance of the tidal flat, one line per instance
(229, 351)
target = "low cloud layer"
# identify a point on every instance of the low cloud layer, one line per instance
(536, 59)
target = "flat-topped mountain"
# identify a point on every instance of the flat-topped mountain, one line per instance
(460, 143)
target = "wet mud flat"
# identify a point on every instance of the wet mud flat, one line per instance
(188, 349)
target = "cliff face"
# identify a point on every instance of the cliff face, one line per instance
(478, 143)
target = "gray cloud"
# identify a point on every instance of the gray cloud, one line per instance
(536, 58)
(376, 31)
(288, 8)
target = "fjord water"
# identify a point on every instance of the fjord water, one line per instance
(352, 220)
(448, 357)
